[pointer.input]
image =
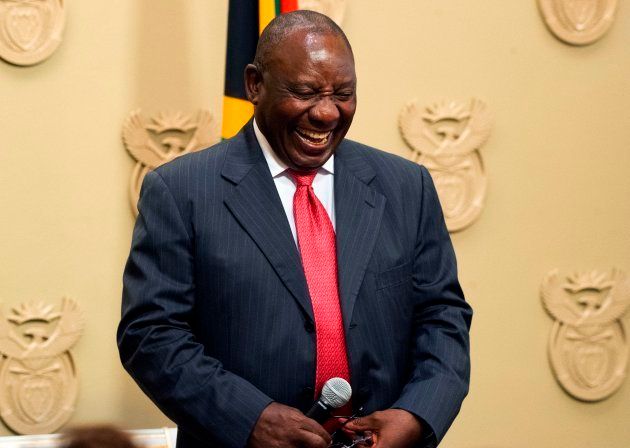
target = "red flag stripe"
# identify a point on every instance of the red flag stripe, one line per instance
(288, 5)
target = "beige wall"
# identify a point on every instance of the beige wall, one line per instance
(557, 161)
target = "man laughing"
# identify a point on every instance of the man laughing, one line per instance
(288, 255)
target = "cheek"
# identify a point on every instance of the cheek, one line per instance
(293, 110)
(347, 110)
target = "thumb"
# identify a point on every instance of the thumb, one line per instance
(362, 423)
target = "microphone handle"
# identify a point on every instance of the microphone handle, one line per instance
(319, 412)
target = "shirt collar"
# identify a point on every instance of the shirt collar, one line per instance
(277, 166)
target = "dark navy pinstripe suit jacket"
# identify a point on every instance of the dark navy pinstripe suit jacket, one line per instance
(216, 317)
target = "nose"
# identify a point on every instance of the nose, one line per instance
(324, 112)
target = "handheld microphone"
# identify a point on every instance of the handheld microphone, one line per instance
(335, 393)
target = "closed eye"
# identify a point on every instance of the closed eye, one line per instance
(302, 93)
(345, 95)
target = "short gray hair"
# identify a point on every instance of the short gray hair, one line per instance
(285, 24)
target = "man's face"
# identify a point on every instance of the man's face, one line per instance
(306, 98)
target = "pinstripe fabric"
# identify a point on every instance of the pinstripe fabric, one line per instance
(216, 317)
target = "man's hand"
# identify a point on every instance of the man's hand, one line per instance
(281, 426)
(392, 428)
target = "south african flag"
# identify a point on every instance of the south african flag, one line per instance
(246, 20)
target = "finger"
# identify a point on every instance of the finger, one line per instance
(362, 423)
(313, 427)
(341, 425)
(308, 439)
(342, 420)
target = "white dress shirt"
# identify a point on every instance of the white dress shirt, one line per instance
(323, 184)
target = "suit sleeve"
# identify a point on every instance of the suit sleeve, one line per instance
(441, 319)
(156, 344)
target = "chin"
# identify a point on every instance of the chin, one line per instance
(313, 162)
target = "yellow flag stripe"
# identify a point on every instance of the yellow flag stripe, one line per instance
(266, 13)
(236, 112)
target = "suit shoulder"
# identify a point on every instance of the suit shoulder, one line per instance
(202, 161)
(382, 161)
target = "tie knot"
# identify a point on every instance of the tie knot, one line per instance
(303, 178)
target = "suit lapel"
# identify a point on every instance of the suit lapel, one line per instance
(359, 209)
(256, 205)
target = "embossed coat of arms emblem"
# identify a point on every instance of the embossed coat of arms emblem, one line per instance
(335, 9)
(588, 344)
(165, 137)
(38, 378)
(446, 137)
(578, 22)
(30, 30)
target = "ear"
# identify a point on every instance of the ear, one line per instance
(253, 82)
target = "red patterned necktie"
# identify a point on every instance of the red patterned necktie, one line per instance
(316, 239)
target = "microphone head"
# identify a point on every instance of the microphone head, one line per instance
(336, 392)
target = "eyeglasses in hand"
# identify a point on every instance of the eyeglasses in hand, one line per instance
(360, 440)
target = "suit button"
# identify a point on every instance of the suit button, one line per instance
(309, 327)
(352, 325)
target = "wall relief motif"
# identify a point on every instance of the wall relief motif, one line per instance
(578, 22)
(163, 138)
(335, 9)
(30, 30)
(38, 378)
(446, 137)
(588, 344)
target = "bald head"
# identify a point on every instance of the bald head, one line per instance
(284, 25)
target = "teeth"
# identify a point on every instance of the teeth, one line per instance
(314, 135)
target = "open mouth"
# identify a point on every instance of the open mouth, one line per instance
(313, 138)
